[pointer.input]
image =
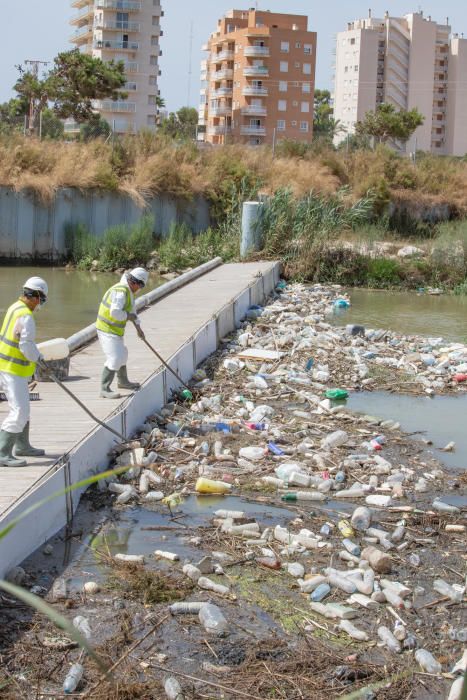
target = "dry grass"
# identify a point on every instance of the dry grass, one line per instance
(146, 165)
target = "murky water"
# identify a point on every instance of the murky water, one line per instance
(408, 313)
(74, 296)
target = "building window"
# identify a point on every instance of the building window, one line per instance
(298, 45)
(154, 41)
(284, 66)
(285, 46)
(355, 69)
(307, 68)
(297, 64)
(282, 86)
(281, 125)
(152, 80)
(282, 105)
(346, 69)
(151, 99)
(308, 49)
(306, 87)
(303, 126)
(294, 123)
(352, 41)
(155, 21)
(153, 60)
(305, 107)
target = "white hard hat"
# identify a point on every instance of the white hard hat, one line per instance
(37, 284)
(140, 274)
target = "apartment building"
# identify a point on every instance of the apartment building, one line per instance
(128, 31)
(409, 61)
(258, 79)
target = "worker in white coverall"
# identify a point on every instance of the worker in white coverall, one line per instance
(18, 358)
(117, 307)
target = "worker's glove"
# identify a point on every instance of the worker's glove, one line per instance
(42, 364)
(133, 317)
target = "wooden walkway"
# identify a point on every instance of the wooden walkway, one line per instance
(57, 422)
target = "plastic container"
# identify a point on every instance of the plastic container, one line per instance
(186, 608)
(192, 572)
(341, 304)
(335, 439)
(445, 589)
(455, 692)
(361, 518)
(342, 583)
(320, 592)
(444, 507)
(283, 471)
(352, 631)
(388, 639)
(253, 454)
(299, 479)
(210, 486)
(212, 619)
(337, 394)
(303, 496)
(274, 449)
(351, 547)
(73, 678)
(345, 528)
(55, 349)
(208, 585)
(427, 661)
(170, 556)
(130, 558)
(82, 625)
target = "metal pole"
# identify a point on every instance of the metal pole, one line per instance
(40, 125)
(274, 143)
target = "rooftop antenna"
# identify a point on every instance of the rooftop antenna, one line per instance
(190, 65)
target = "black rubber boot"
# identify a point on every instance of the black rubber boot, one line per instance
(23, 447)
(106, 381)
(124, 382)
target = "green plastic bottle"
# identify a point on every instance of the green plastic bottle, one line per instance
(337, 394)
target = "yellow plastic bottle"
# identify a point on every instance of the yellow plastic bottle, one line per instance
(345, 528)
(210, 486)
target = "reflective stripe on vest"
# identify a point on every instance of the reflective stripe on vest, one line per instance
(12, 359)
(105, 321)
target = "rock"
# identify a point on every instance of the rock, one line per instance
(16, 575)
(170, 276)
(410, 251)
(205, 565)
(48, 549)
(91, 587)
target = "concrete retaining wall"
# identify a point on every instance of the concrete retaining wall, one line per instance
(33, 230)
(90, 456)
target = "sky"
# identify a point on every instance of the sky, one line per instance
(39, 29)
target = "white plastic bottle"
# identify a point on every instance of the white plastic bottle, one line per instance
(388, 639)
(73, 678)
(82, 625)
(445, 589)
(173, 689)
(361, 518)
(212, 619)
(427, 661)
(335, 439)
(191, 608)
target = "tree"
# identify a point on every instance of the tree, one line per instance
(51, 126)
(180, 125)
(325, 127)
(75, 80)
(12, 115)
(95, 128)
(386, 123)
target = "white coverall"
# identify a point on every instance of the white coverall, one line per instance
(16, 388)
(113, 346)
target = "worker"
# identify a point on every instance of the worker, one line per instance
(118, 307)
(19, 355)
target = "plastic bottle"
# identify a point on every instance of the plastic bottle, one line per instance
(73, 678)
(299, 479)
(170, 556)
(393, 599)
(377, 499)
(253, 454)
(325, 530)
(186, 608)
(173, 689)
(274, 449)
(283, 471)
(259, 382)
(344, 584)
(345, 528)
(400, 632)
(335, 439)
(233, 514)
(456, 689)
(210, 486)
(444, 507)
(303, 496)
(320, 592)
(361, 518)
(352, 631)
(192, 572)
(82, 625)
(398, 534)
(336, 394)
(208, 585)
(427, 661)
(445, 589)
(212, 619)
(389, 639)
(130, 558)
(351, 547)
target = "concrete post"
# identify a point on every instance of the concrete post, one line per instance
(251, 228)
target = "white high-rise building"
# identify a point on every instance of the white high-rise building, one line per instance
(128, 31)
(409, 61)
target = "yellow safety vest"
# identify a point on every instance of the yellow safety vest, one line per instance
(12, 359)
(105, 321)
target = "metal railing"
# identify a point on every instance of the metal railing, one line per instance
(125, 5)
(117, 45)
(256, 51)
(251, 90)
(222, 92)
(253, 130)
(117, 106)
(222, 56)
(256, 70)
(255, 111)
(118, 26)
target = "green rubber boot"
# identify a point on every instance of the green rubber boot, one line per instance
(7, 441)
(124, 382)
(23, 447)
(106, 381)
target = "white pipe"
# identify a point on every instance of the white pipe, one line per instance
(85, 335)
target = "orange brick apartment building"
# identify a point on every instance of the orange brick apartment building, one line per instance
(259, 79)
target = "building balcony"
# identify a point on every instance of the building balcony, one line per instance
(253, 130)
(131, 87)
(220, 111)
(87, 13)
(121, 5)
(205, 47)
(219, 130)
(225, 74)
(256, 51)
(222, 56)
(254, 91)
(79, 3)
(114, 106)
(118, 26)
(254, 71)
(253, 111)
(257, 32)
(131, 67)
(222, 92)
(82, 35)
(107, 45)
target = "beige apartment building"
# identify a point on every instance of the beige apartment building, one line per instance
(128, 31)
(259, 79)
(409, 61)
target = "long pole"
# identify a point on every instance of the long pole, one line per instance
(85, 408)
(159, 357)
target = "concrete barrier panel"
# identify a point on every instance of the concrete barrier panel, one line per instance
(241, 305)
(43, 245)
(225, 322)
(8, 223)
(25, 226)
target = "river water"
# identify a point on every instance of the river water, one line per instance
(74, 296)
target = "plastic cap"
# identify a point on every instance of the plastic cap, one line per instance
(37, 284)
(140, 274)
